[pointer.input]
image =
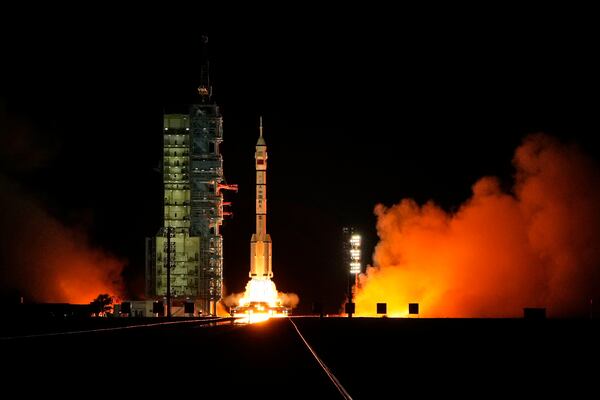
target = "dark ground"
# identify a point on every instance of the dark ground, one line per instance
(372, 358)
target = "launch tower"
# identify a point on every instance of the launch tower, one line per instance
(193, 179)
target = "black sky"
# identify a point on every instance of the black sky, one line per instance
(356, 112)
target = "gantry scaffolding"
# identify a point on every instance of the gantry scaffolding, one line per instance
(207, 183)
(193, 206)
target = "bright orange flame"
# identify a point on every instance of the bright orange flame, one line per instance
(260, 290)
(260, 302)
(252, 318)
(500, 252)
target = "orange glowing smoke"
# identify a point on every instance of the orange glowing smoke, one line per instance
(44, 260)
(535, 247)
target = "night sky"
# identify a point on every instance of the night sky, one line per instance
(353, 116)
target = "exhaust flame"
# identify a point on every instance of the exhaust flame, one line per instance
(260, 290)
(261, 301)
(500, 252)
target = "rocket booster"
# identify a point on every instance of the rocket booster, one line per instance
(260, 244)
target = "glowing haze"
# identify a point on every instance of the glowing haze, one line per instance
(537, 246)
(47, 261)
(41, 258)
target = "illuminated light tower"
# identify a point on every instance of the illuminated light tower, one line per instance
(355, 266)
(352, 260)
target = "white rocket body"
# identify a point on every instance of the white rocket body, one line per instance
(260, 244)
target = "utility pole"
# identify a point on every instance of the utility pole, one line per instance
(350, 295)
(169, 249)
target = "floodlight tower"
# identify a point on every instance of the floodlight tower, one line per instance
(352, 260)
(355, 266)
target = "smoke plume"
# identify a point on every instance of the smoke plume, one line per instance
(290, 300)
(537, 246)
(41, 258)
(233, 299)
(46, 260)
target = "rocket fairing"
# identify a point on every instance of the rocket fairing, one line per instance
(260, 244)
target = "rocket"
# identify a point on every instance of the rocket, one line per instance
(260, 244)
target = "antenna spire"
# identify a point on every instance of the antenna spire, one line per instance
(204, 90)
(261, 126)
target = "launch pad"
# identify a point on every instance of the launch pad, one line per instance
(260, 302)
(257, 311)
